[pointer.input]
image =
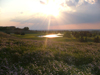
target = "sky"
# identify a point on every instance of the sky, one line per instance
(50, 14)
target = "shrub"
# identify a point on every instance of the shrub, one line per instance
(67, 34)
(8, 32)
(97, 39)
(22, 33)
(17, 33)
(83, 39)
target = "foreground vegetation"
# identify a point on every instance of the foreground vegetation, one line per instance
(47, 56)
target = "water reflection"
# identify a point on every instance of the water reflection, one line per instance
(52, 35)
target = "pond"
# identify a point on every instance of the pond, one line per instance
(52, 35)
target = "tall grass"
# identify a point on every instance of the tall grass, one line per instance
(35, 57)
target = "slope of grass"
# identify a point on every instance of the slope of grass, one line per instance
(48, 57)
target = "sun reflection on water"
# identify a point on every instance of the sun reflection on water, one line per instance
(52, 35)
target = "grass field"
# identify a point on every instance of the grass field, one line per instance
(35, 37)
(31, 55)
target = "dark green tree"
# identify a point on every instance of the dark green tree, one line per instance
(81, 39)
(22, 33)
(97, 39)
(85, 39)
(67, 34)
(26, 28)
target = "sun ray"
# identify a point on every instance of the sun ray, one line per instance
(48, 30)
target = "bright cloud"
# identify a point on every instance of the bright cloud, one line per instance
(58, 5)
(80, 2)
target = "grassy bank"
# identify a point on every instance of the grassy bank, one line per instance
(41, 56)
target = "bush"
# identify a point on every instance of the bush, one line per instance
(17, 33)
(67, 34)
(22, 33)
(83, 39)
(97, 39)
(8, 32)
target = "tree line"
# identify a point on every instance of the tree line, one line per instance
(84, 36)
(13, 29)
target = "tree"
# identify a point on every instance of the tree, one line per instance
(17, 32)
(67, 34)
(97, 39)
(22, 33)
(26, 28)
(83, 39)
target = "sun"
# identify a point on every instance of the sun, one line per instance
(51, 8)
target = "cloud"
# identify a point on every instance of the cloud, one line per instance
(74, 2)
(30, 20)
(77, 26)
(21, 12)
(66, 18)
(87, 12)
(42, 2)
(84, 14)
(91, 1)
(78, 18)
(80, 2)
(70, 3)
(98, 1)
(0, 9)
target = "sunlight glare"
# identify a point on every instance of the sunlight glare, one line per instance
(51, 8)
(52, 35)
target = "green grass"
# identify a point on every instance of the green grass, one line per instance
(41, 56)
(26, 36)
(35, 37)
